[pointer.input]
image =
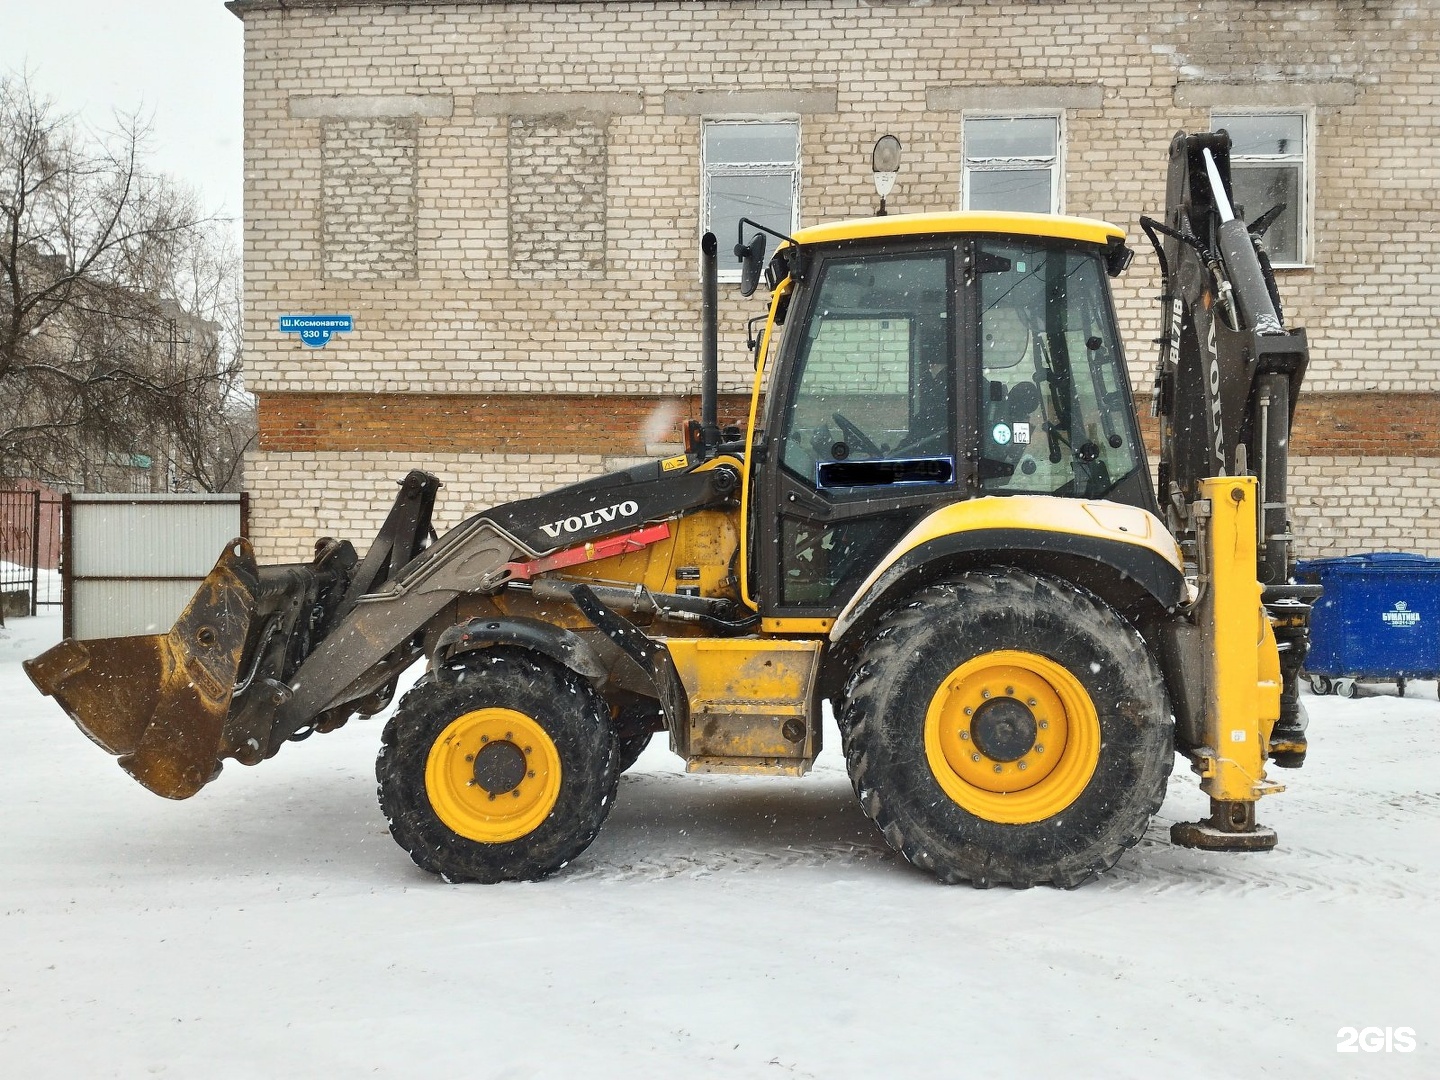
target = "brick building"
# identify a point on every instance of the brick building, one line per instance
(508, 196)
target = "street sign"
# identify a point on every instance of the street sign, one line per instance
(315, 330)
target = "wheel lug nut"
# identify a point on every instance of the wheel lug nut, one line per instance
(469, 757)
(1031, 702)
(516, 793)
(531, 774)
(484, 738)
(1021, 765)
(999, 768)
(1009, 691)
(1039, 748)
(969, 711)
(509, 735)
(1044, 724)
(492, 796)
(965, 735)
(974, 757)
(985, 693)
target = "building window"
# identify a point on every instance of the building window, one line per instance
(752, 170)
(1012, 163)
(1267, 168)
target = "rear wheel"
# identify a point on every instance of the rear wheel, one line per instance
(501, 770)
(1005, 728)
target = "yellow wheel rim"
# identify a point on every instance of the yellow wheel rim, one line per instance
(493, 775)
(1012, 737)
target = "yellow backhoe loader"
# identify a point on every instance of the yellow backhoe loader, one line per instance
(943, 523)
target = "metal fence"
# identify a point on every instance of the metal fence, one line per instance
(133, 561)
(30, 550)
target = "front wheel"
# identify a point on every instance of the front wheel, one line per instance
(1320, 685)
(1007, 729)
(502, 770)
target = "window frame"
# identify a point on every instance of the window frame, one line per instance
(729, 271)
(1304, 161)
(1056, 165)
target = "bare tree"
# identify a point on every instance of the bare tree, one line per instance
(209, 420)
(118, 308)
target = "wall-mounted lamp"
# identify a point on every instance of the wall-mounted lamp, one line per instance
(885, 160)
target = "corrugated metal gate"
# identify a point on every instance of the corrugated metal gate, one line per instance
(132, 561)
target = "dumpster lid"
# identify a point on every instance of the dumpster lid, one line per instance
(1370, 560)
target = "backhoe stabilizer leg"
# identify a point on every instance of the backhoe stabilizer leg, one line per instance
(1242, 692)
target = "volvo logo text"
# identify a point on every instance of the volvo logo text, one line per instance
(591, 518)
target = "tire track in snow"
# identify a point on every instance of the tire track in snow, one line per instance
(1392, 807)
(704, 864)
(1328, 874)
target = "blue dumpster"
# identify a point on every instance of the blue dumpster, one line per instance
(1378, 620)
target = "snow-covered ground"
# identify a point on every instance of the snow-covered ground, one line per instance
(719, 927)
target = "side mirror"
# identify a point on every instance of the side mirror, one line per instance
(1117, 256)
(751, 255)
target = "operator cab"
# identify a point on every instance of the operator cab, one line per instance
(928, 359)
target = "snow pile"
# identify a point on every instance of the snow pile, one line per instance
(719, 927)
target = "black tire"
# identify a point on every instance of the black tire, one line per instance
(909, 669)
(554, 718)
(628, 748)
(635, 725)
(1320, 685)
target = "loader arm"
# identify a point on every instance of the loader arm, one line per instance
(232, 677)
(266, 655)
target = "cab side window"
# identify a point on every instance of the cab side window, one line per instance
(1055, 416)
(874, 374)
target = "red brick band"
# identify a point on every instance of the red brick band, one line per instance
(612, 424)
(1326, 425)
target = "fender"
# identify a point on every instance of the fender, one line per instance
(1132, 555)
(559, 644)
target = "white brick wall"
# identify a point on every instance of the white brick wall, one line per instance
(458, 319)
(1343, 506)
(368, 201)
(1369, 302)
(297, 498)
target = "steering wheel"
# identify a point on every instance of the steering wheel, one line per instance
(930, 441)
(855, 435)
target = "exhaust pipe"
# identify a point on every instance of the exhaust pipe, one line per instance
(709, 345)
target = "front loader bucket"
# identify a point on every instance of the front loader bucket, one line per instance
(159, 702)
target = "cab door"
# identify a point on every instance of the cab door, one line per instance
(865, 421)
